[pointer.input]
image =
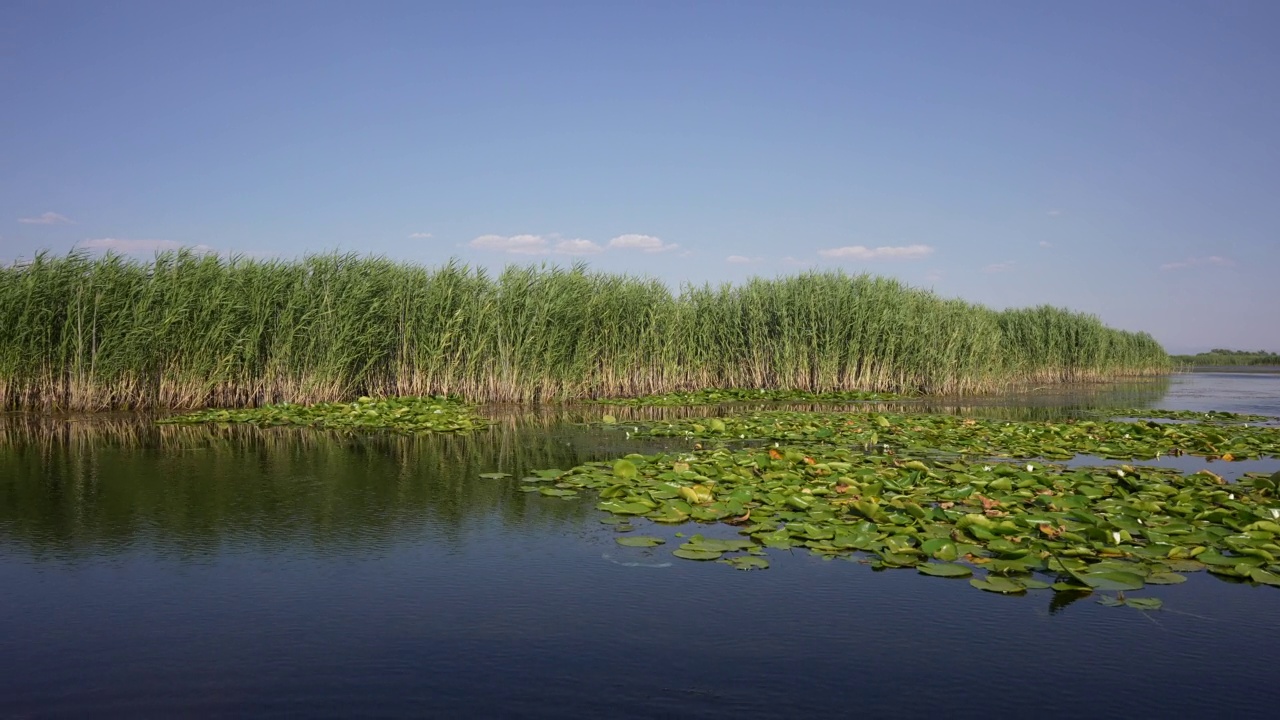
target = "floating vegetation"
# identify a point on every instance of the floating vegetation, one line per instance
(405, 414)
(719, 397)
(924, 435)
(1211, 416)
(189, 330)
(1025, 526)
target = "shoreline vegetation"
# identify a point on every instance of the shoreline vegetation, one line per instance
(189, 330)
(1219, 357)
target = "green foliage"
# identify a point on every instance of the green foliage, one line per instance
(410, 415)
(1219, 356)
(189, 330)
(1075, 530)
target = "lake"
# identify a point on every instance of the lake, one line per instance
(175, 571)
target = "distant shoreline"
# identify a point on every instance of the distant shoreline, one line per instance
(1252, 369)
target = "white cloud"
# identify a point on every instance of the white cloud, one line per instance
(535, 245)
(794, 261)
(1054, 213)
(646, 243)
(419, 236)
(1192, 262)
(860, 252)
(1045, 243)
(49, 218)
(514, 244)
(138, 246)
(577, 247)
(742, 259)
(1000, 267)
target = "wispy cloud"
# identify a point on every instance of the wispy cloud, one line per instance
(49, 218)
(1000, 267)
(742, 259)
(645, 243)
(1045, 244)
(535, 245)
(576, 247)
(934, 276)
(1193, 262)
(138, 246)
(514, 244)
(1054, 213)
(861, 252)
(419, 236)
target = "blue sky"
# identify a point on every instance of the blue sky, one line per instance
(1119, 158)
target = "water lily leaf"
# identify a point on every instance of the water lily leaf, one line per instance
(1112, 580)
(639, 541)
(748, 562)
(618, 507)
(696, 554)
(945, 569)
(624, 469)
(557, 492)
(997, 584)
(1259, 575)
(1166, 578)
(1144, 603)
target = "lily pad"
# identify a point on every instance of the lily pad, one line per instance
(696, 554)
(748, 562)
(954, 570)
(639, 541)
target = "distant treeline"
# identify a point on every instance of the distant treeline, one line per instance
(190, 330)
(1218, 356)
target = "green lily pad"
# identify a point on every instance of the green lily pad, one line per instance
(954, 570)
(748, 562)
(639, 541)
(1144, 603)
(997, 584)
(1112, 580)
(697, 554)
(1259, 575)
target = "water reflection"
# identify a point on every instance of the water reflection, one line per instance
(75, 486)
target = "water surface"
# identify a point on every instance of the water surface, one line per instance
(208, 572)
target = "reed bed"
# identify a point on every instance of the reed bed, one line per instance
(189, 330)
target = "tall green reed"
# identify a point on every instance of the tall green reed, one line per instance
(191, 330)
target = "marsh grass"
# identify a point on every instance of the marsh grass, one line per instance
(189, 330)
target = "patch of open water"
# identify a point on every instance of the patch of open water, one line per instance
(175, 571)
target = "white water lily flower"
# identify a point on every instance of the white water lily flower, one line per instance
(1231, 496)
(986, 468)
(1275, 513)
(1120, 473)
(1116, 534)
(1029, 467)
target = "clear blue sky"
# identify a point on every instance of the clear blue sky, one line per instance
(1119, 158)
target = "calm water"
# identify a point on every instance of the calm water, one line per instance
(195, 572)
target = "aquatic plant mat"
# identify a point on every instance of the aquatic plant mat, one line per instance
(409, 415)
(943, 495)
(743, 395)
